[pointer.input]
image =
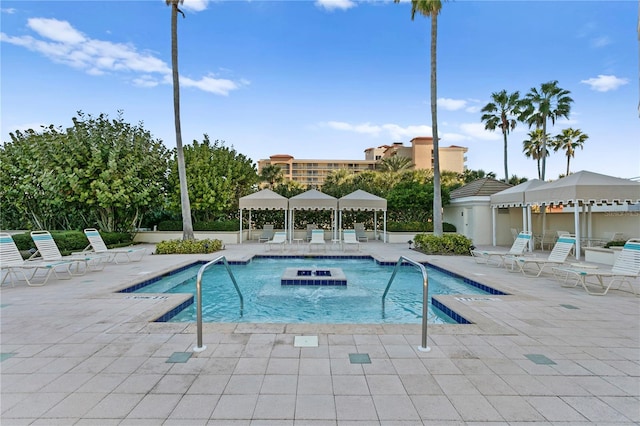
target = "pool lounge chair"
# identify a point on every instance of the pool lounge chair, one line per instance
(49, 252)
(12, 264)
(267, 233)
(117, 255)
(557, 257)
(317, 239)
(349, 239)
(310, 228)
(496, 258)
(279, 239)
(361, 235)
(625, 268)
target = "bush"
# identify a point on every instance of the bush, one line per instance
(619, 243)
(221, 225)
(417, 227)
(446, 244)
(188, 246)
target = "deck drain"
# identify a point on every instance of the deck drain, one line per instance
(569, 306)
(305, 341)
(359, 359)
(540, 359)
(478, 299)
(179, 357)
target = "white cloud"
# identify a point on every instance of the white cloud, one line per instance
(451, 104)
(8, 10)
(601, 41)
(605, 83)
(63, 44)
(195, 5)
(393, 132)
(477, 131)
(332, 5)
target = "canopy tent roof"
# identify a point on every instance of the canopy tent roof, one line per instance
(585, 188)
(362, 200)
(264, 200)
(313, 200)
(514, 196)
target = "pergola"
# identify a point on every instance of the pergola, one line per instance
(263, 200)
(363, 200)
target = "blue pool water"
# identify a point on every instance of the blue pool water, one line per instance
(267, 301)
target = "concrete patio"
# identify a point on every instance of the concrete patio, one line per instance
(75, 352)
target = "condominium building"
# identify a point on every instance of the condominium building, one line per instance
(314, 172)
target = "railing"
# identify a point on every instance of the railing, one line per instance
(200, 347)
(425, 296)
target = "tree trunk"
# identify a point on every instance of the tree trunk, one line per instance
(187, 226)
(506, 171)
(544, 147)
(437, 195)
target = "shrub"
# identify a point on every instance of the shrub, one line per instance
(220, 225)
(188, 246)
(446, 244)
(417, 227)
(619, 243)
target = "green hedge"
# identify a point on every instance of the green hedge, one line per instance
(446, 244)
(221, 225)
(188, 246)
(70, 241)
(417, 227)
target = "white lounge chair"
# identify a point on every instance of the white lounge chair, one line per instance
(12, 263)
(267, 233)
(625, 268)
(317, 239)
(117, 255)
(279, 238)
(310, 228)
(497, 257)
(558, 256)
(49, 252)
(349, 239)
(361, 235)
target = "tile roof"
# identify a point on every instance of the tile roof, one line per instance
(480, 187)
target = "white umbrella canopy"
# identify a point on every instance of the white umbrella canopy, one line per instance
(263, 200)
(363, 200)
(514, 196)
(313, 200)
(585, 188)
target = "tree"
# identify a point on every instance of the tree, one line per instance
(502, 114)
(469, 176)
(550, 102)
(272, 174)
(568, 140)
(533, 147)
(431, 8)
(98, 172)
(218, 176)
(187, 225)
(394, 164)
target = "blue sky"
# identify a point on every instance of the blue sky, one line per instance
(328, 79)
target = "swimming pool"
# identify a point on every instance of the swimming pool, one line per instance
(266, 300)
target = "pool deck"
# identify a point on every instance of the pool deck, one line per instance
(75, 352)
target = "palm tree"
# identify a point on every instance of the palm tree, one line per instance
(272, 173)
(568, 140)
(550, 102)
(502, 113)
(394, 164)
(431, 8)
(187, 225)
(532, 147)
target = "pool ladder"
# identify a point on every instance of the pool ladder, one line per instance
(425, 296)
(200, 347)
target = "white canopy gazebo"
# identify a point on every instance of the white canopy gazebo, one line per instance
(313, 200)
(584, 189)
(514, 197)
(363, 200)
(263, 200)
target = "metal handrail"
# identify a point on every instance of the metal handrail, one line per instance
(200, 347)
(425, 296)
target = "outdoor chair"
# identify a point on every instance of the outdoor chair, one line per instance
(12, 264)
(349, 239)
(48, 250)
(558, 256)
(267, 233)
(279, 239)
(310, 228)
(317, 239)
(625, 268)
(117, 255)
(496, 258)
(361, 235)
